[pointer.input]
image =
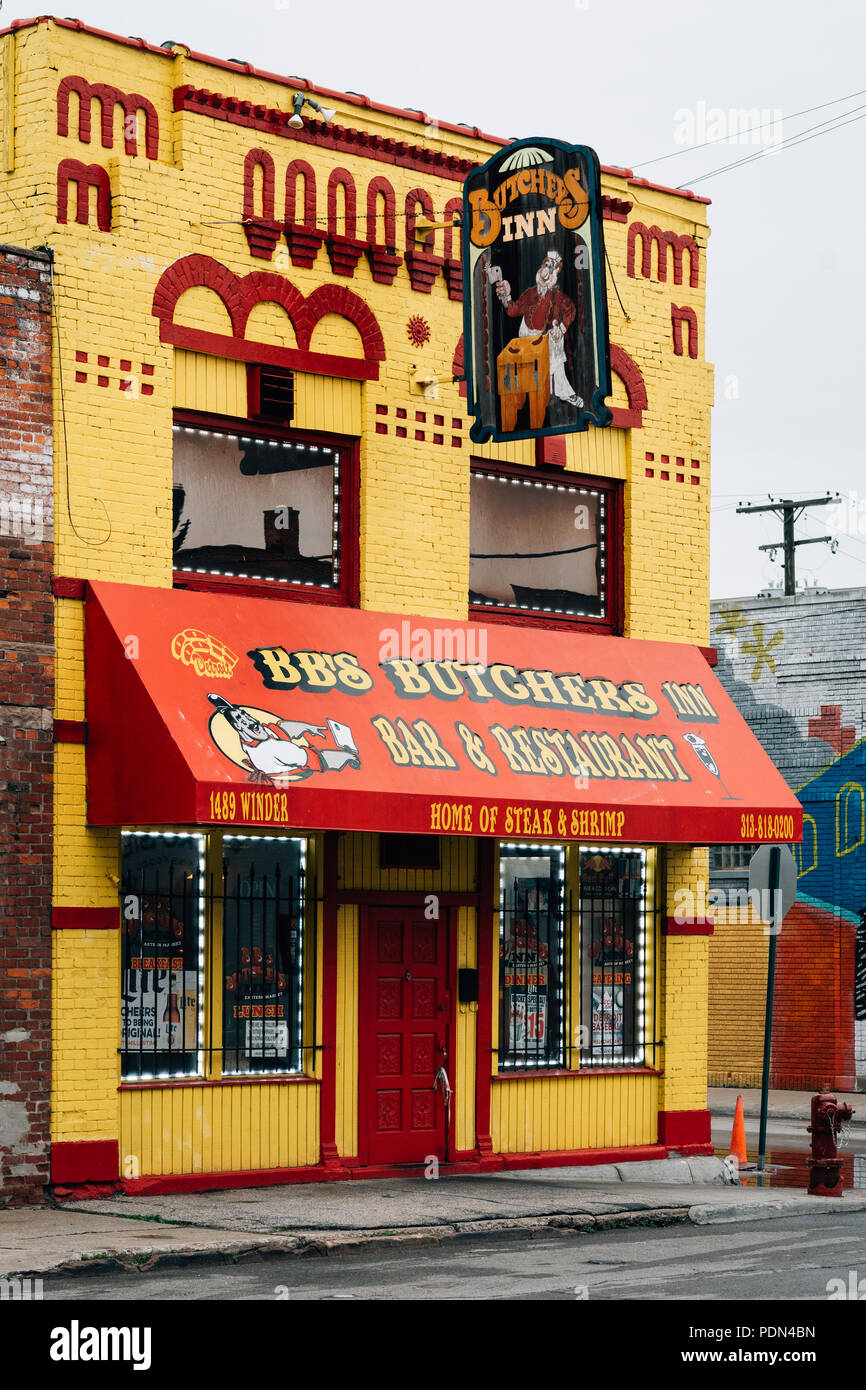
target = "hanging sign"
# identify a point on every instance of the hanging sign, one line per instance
(535, 335)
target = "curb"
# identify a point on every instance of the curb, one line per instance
(342, 1243)
(726, 1111)
(339, 1243)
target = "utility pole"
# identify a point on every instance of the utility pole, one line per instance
(790, 511)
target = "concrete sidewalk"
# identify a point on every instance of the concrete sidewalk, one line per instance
(782, 1105)
(141, 1233)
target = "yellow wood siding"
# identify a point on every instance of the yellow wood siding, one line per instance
(219, 386)
(327, 404)
(347, 1031)
(219, 1129)
(542, 1114)
(358, 867)
(600, 453)
(462, 1065)
(208, 383)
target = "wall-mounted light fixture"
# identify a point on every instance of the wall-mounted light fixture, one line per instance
(299, 101)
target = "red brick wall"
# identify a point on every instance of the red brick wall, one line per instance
(26, 705)
(813, 1043)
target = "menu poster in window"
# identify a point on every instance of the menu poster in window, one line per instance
(525, 967)
(158, 1001)
(257, 992)
(610, 887)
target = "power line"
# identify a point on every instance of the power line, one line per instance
(802, 138)
(725, 139)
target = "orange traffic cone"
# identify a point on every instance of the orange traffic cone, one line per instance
(738, 1134)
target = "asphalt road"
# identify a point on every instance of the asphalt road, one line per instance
(778, 1259)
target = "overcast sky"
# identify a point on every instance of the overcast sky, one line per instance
(787, 273)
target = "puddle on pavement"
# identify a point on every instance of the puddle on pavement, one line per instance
(791, 1167)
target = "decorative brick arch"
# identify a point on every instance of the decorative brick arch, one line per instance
(454, 205)
(108, 97)
(259, 159)
(240, 295)
(85, 177)
(336, 299)
(199, 271)
(377, 188)
(664, 241)
(687, 316)
(630, 375)
(266, 287)
(418, 197)
(341, 178)
(458, 365)
(299, 168)
(423, 265)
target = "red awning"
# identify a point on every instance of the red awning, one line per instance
(215, 709)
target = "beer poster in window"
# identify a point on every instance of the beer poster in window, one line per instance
(535, 336)
(158, 1003)
(526, 960)
(610, 897)
(257, 998)
(261, 954)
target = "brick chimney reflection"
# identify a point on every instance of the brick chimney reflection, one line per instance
(283, 533)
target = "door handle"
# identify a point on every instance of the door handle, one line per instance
(441, 1079)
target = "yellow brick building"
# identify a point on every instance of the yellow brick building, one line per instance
(227, 282)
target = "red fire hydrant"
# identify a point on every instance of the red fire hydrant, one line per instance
(828, 1116)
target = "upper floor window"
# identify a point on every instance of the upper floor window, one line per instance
(850, 818)
(256, 506)
(542, 546)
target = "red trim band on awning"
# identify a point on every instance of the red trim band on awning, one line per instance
(216, 709)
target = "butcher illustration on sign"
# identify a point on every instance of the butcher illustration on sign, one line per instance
(542, 309)
(274, 750)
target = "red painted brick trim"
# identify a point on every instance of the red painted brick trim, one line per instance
(70, 731)
(85, 918)
(686, 1127)
(615, 209)
(85, 177)
(67, 588)
(350, 98)
(240, 295)
(697, 927)
(109, 97)
(85, 1160)
(710, 654)
(631, 377)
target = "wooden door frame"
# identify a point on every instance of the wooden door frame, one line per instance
(368, 903)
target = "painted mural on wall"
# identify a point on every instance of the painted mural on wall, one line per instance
(808, 713)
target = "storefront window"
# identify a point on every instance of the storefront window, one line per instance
(162, 955)
(612, 951)
(262, 958)
(250, 507)
(538, 547)
(532, 956)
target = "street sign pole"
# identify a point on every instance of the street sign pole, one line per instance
(775, 915)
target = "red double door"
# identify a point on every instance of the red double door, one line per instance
(404, 1021)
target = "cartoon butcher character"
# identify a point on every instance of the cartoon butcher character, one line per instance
(545, 309)
(279, 748)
